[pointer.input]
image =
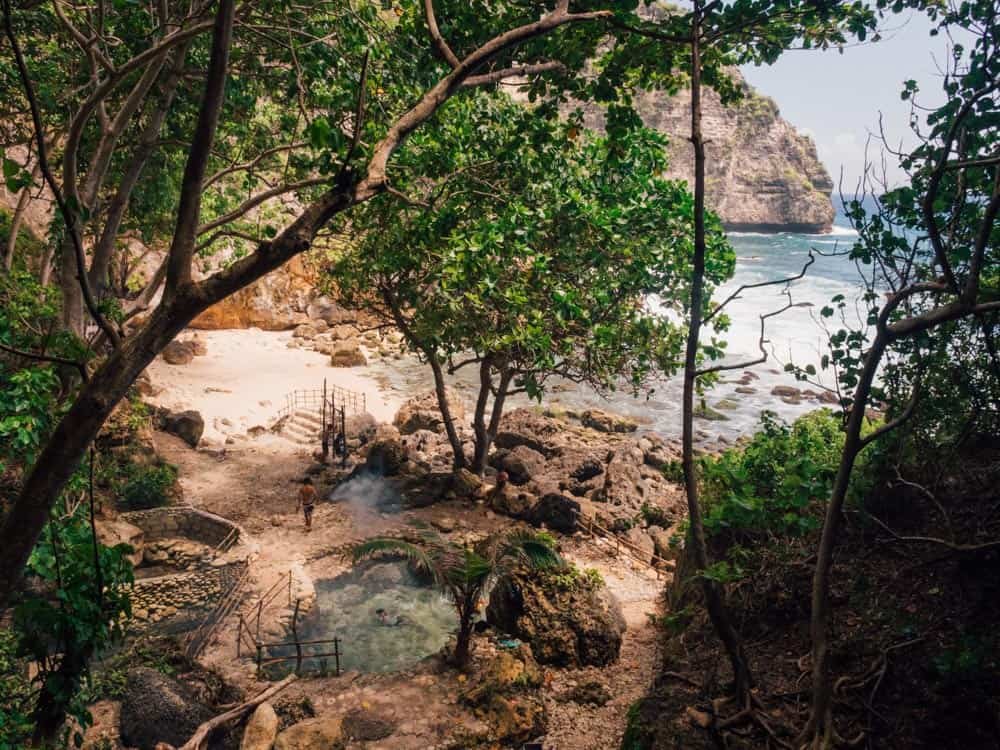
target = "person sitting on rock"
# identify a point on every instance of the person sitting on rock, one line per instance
(307, 501)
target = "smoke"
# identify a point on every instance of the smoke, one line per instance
(367, 493)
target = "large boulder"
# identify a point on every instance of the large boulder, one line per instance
(322, 308)
(576, 625)
(512, 501)
(556, 512)
(324, 733)
(178, 353)
(624, 485)
(111, 533)
(386, 457)
(528, 427)
(423, 413)
(522, 463)
(187, 425)
(262, 729)
(347, 354)
(604, 421)
(157, 708)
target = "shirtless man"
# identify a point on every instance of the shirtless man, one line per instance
(307, 501)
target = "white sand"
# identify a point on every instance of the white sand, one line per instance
(244, 379)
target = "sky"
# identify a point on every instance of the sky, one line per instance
(836, 98)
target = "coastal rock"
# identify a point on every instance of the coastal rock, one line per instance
(603, 421)
(786, 391)
(527, 427)
(422, 412)
(324, 733)
(157, 708)
(347, 354)
(386, 457)
(261, 730)
(362, 725)
(623, 482)
(762, 174)
(198, 345)
(512, 502)
(361, 426)
(277, 302)
(642, 545)
(305, 331)
(574, 626)
(322, 308)
(178, 353)
(521, 463)
(556, 512)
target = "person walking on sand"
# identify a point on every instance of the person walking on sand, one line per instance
(307, 501)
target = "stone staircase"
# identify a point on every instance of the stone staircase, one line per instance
(303, 426)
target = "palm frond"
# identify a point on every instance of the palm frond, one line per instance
(421, 560)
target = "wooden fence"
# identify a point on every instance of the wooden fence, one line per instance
(658, 564)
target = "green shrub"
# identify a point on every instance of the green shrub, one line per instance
(776, 482)
(147, 486)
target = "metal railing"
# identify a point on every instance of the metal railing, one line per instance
(248, 637)
(331, 398)
(196, 641)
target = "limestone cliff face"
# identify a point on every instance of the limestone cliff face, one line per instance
(762, 174)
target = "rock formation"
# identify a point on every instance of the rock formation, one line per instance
(762, 174)
(566, 625)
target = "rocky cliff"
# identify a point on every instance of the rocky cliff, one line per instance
(762, 174)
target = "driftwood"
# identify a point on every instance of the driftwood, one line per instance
(199, 740)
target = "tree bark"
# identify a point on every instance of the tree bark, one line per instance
(819, 730)
(696, 534)
(105, 246)
(458, 452)
(486, 433)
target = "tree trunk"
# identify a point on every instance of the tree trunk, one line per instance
(458, 452)
(696, 534)
(488, 433)
(105, 246)
(482, 439)
(15, 226)
(69, 286)
(819, 726)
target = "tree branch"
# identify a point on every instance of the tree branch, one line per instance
(189, 207)
(43, 163)
(520, 70)
(78, 366)
(435, 33)
(255, 200)
(744, 287)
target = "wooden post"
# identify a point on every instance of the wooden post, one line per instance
(295, 635)
(260, 610)
(259, 656)
(336, 654)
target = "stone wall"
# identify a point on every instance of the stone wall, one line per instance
(183, 521)
(178, 602)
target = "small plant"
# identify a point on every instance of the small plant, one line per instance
(147, 486)
(654, 516)
(775, 483)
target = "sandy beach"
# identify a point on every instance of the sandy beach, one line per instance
(242, 381)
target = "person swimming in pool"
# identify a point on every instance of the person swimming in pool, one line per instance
(384, 618)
